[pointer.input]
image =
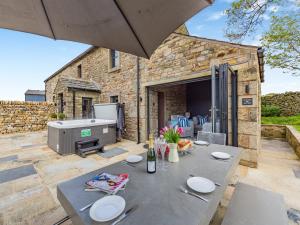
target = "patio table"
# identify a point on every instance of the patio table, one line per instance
(159, 199)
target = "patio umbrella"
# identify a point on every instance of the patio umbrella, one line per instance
(133, 26)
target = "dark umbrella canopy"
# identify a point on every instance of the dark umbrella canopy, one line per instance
(133, 26)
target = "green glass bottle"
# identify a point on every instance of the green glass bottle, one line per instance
(151, 156)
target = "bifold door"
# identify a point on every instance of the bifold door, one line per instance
(219, 108)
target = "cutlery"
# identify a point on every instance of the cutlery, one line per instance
(216, 183)
(193, 194)
(125, 214)
(86, 207)
(127, 163)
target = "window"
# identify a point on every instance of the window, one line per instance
(79, 72)
(114, 99)
(114, 59)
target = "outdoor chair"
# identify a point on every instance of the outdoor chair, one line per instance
(212, 138)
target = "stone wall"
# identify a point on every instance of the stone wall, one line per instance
(18, 116)
(273, 131)
(288, 102)
(293, 138)
(182, 58)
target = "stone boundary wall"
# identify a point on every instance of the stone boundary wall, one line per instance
(293, 138)
(19, 116)
(273, 131)
(288, 102)
(289, 133)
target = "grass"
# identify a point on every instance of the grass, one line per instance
(283, 120)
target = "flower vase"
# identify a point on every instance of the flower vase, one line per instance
(173, 154)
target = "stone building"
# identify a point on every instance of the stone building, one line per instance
(180, 77)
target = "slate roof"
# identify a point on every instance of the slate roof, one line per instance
(79, 84)
(35, 92)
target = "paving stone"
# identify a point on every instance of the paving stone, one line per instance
(15, 173)
(23, 206)
(297, 172)
(8, 158)
(112, 152)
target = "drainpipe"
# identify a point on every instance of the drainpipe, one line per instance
(138, 98)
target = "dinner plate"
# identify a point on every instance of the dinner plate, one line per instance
(201, 184)
(107, 208)
(221, 155)
(134, 158)
(201, 142)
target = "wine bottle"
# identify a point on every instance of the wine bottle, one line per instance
(151, 157)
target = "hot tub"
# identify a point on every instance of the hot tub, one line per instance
(63, 135)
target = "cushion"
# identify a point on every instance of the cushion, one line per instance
(202, 119)
(183, 122)
(173, 123)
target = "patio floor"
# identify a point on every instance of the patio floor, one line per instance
(29, 195)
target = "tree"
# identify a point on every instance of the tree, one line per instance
(282, 39)
(282, 44)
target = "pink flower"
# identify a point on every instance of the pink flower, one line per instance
(180, 130)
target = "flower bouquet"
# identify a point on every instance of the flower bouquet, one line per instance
(172, 136)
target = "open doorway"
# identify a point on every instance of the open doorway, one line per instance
(203, 103)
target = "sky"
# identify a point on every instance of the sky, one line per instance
(26, 60)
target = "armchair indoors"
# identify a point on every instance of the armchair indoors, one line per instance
(186, 125)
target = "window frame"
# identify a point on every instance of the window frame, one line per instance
(79, 71)
(113, 61)
(113, 98)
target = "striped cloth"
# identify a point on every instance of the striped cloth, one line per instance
(202, 119)
(183, 122)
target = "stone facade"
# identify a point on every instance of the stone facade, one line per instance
(180, 57)
(18, 116)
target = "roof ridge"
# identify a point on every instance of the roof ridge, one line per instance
(216, 40)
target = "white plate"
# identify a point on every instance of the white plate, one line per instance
(201, 184)
(221, 155)
(201, 142)
(107, 208)
(134, 158)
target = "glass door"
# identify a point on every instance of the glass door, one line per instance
(215, 106)
(219, 109)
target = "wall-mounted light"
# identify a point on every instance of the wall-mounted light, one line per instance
(247, 89)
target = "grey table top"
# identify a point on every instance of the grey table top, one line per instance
(160, 202)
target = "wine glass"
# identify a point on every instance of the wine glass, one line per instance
(163, 148)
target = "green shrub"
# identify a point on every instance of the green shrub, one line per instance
(53, 116)
(61, 116)
(270, 110)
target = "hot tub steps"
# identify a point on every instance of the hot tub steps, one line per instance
(88, 146)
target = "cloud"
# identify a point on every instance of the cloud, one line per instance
(216, 16)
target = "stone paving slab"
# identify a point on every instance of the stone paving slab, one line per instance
(31, 200)
(15, 173)
(112, 152)
(8, 158)
(297, 172)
